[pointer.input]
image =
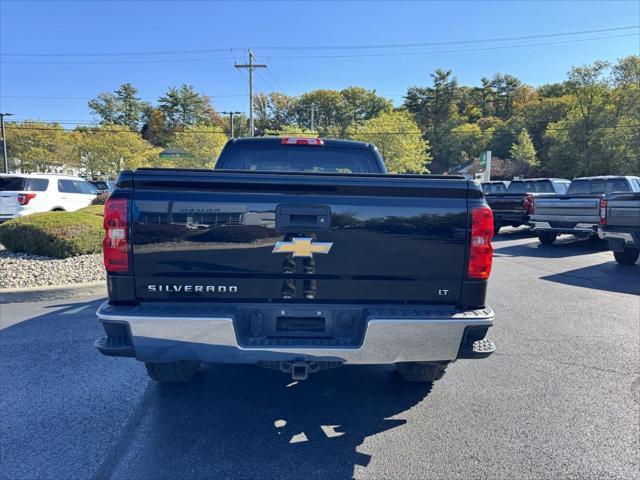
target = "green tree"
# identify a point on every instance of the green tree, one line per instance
(329, 110)
(34, 146)
(504, 88)
(203, 143)
(502, 137)
(523, 149)
(108, 149)
(435, 111)
(467, 141)
(122, 107)
(361, 105)
(184, 106)
(273, 111)
(399, 140)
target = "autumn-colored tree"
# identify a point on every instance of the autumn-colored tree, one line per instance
(34, 146)
(398, 139)
(108, 149)
(201, 145)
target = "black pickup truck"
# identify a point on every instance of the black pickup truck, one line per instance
(620, 224)
(513, 206)
(297, 255)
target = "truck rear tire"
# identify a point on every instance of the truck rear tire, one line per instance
(174, 372)
(421, 371)
(627, 257)
(547, 238)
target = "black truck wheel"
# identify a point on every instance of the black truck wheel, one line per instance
(627, 257)
(174, 372)
(421, 371)
(547, 238)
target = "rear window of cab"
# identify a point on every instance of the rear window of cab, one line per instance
(531, 187)
(23, 184)
(599, 186)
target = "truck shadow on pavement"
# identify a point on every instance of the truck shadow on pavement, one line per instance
(607, 276)
(68, 412)
(248, 422)
(564, 246)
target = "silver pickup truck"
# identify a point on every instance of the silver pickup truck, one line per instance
(620, 225)
(577, 212)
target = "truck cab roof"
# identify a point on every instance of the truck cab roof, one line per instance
(606, 177)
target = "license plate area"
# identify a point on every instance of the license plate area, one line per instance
(300, 324)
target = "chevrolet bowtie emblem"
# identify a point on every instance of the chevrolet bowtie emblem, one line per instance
(302, 247)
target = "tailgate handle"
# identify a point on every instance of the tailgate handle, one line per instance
(303, 218)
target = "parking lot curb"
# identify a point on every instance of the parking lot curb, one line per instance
(52, 292)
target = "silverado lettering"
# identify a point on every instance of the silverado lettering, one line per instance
(193, 288)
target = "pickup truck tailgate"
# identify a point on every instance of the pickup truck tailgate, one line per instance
(623, 210)
(568, 209)
(204, 235)
(506, 203)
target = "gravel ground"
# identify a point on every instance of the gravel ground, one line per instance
(19, 270)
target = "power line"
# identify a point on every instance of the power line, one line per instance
(323, 47)
(452, 42)
(268, 70)
(267, 82)
(110, 62)
(309, 57)
(435, 52)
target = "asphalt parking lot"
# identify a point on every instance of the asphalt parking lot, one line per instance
(560, 398)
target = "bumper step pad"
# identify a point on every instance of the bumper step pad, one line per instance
(115, 347)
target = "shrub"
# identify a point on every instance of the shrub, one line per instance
(93, 210)
(100, 199)
(54, 234)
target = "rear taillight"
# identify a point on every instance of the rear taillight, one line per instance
(25, 198)
(481, 251)
(603, 211)
(302, 141)
(527, 203)
(115, 245)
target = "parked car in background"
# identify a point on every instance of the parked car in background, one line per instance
(495, 186)
(577, 212)
(22, 195)
(620, 225)
(513, 206)
(103, 186)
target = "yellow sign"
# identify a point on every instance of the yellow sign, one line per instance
(302, 247)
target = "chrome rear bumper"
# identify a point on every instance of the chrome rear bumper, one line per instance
(608, 235)
(192, 333)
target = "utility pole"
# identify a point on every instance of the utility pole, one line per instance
(231, 114)
(251, 66)
(313, 117)
(4, 142)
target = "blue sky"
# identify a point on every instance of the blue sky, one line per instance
(105, 27)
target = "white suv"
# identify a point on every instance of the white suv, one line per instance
(21, 194)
